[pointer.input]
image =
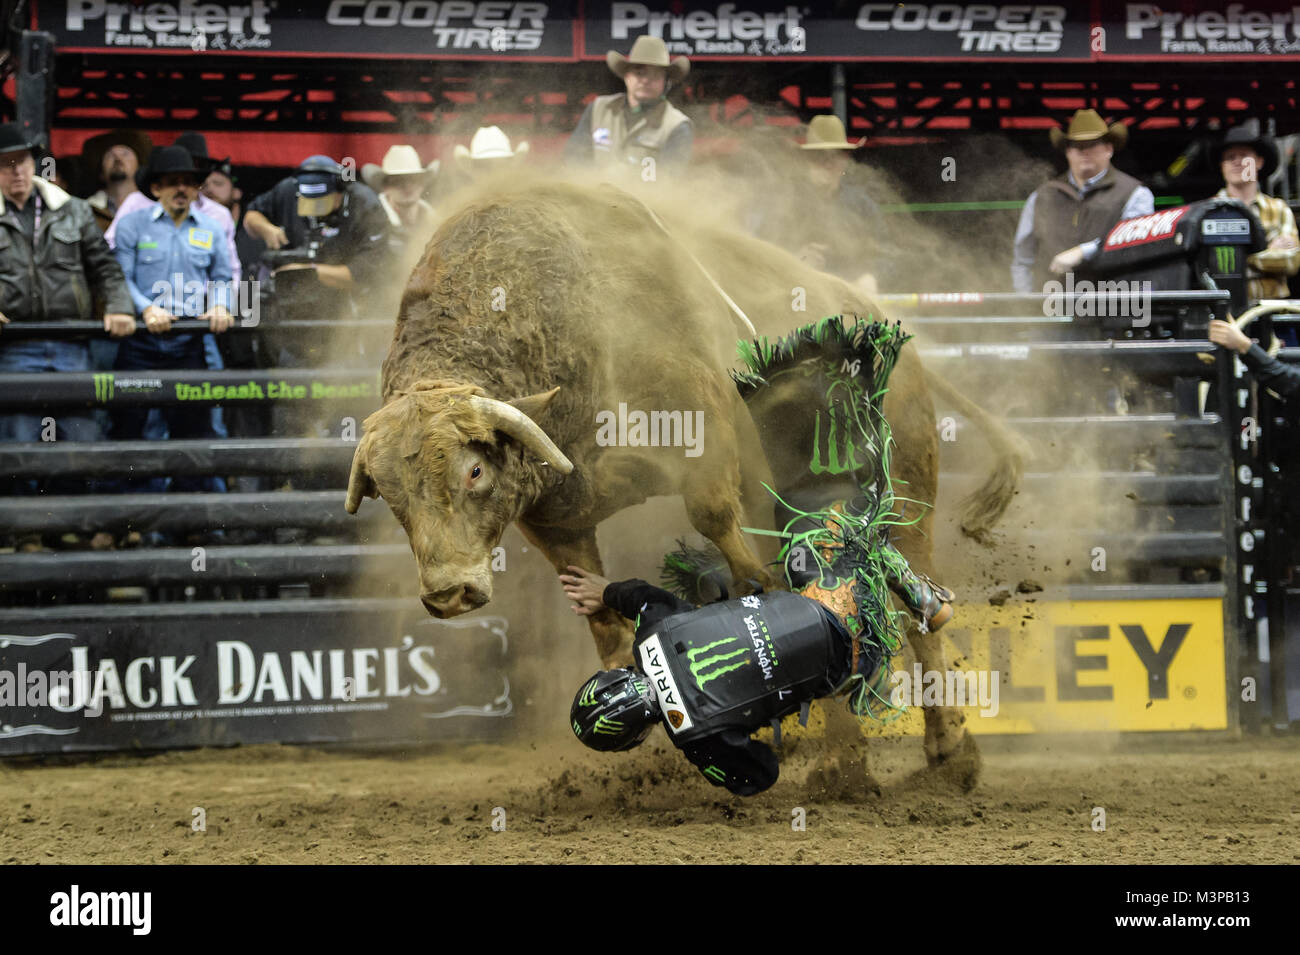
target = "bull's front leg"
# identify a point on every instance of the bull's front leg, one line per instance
(712, 497)
(611, 632)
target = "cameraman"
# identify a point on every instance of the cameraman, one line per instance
(338, 223)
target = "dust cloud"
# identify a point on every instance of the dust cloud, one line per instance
(700, 234)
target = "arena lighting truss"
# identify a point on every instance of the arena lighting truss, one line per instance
(906, 100)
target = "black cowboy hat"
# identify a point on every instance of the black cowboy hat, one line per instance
(168, 159)
(1250, 134)
(93, 149)
(13, 139)
(197, 146)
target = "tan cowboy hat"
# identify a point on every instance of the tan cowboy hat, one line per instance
(1087, 126)
(398, 161)
(649, 51)
(489, 143)
(827, 132)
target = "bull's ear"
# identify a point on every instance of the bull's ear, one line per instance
(359, 482)
(534, 405)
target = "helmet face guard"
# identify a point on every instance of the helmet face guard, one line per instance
(615, 710)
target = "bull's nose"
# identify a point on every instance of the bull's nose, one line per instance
(454, 600)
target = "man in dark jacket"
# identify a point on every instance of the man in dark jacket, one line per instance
(53, 259)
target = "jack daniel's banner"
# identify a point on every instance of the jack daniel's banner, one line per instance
(143, 677)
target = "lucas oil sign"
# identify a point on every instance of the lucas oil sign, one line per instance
(1089, 666)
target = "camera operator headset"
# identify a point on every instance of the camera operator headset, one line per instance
(335, 225)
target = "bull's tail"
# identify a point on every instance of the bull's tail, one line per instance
(987, 503)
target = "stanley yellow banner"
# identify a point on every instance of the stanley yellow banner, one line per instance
(1077, 666)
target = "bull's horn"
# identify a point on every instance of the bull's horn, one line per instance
(525, 430)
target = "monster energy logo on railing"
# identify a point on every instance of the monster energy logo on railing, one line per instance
(703, 668)
(103, 386)
(607, 727)
(1225, 257)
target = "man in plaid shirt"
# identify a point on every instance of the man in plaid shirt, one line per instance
(1247, 158)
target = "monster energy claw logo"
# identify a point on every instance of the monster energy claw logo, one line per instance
(717, 664)
(577, 729)
(715, 774)
(1225, 257)
(841, 452)
(607, 727)
(588, 698)
(103, 386)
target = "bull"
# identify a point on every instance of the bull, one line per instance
(533, 311)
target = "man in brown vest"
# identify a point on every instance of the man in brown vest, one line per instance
(640, 127)
(1065, 219)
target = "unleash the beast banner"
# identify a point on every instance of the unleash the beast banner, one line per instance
(141, 677)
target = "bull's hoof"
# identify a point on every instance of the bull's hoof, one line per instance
(959, 768)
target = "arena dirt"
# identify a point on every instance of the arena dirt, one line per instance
(1214, 802)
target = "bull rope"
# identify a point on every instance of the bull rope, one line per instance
(735, 309)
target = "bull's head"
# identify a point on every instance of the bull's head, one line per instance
(453, 466)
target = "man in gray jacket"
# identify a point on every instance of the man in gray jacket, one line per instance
(53, 259)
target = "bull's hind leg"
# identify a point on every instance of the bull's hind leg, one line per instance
(562, 547)
(949, 747)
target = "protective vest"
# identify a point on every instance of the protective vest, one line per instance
(1062, 220)
(742, 663)
(614, 140)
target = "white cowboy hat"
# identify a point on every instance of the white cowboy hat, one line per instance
(490, 143)
(398, 161)
(648, 51)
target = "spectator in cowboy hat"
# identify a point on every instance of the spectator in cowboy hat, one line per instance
(114, 158)
(197, 146)
(401, 183)
(638, 124)
(158, 247)
(830, 221)
(489, 152)
(1246, 158)
(1066, 217)
(52, 256)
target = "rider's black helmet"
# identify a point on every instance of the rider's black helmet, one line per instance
(615, 710)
